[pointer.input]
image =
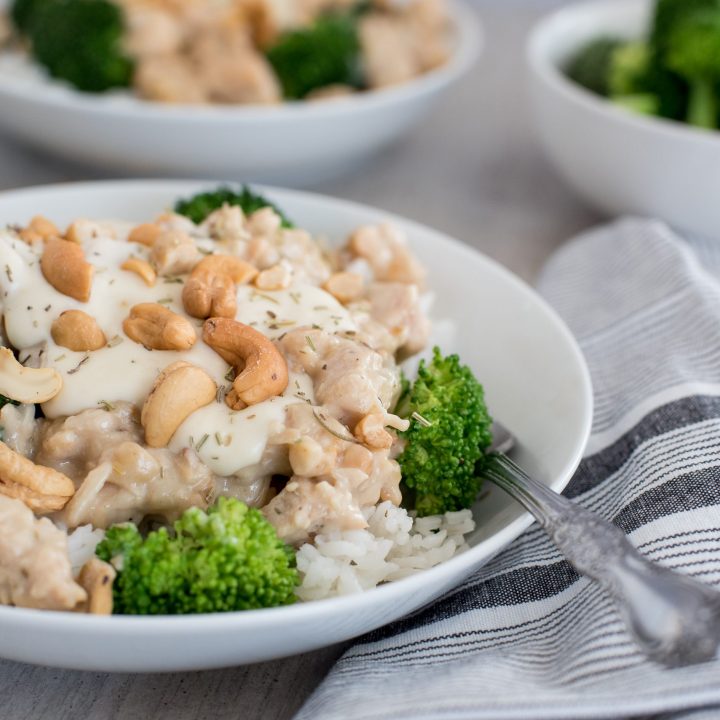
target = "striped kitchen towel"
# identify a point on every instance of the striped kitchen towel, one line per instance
(525, 637)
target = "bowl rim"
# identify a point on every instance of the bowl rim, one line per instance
(458, 567)
(549, 73)
(468, 47)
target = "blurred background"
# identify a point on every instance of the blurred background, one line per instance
(472, 168)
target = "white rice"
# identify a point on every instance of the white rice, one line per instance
(81, 545)
(393, 546)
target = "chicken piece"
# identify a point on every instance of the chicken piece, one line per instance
(227, 225)
(151, 31)
(333, 478)
(132, 482)
(174, 253)
(271, 243)
(170, 78)
(231, 70)
(396, 306)
(305, 507)
(73, 445)
(117, 478)
(384, 248)
(349, 378)
(388, 50)
(404, 42)
(35, 569)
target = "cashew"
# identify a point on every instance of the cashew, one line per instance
(145, 234)
(210, 289)
(345, 286)
(262, 369)
(174, 253)
(39, 229)
(158, 328)
(78, 331)
(96, 578)
(371, 431)
(42, 489)
(278, 277)
(179, 390)
(142, 268)
(24, 384)
(64, 267)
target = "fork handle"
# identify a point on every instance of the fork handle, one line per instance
(675, 620)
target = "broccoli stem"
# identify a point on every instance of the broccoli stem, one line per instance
(703, 109)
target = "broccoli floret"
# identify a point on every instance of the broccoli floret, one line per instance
(22, 14)
(228, 558)
(590, 67)
(668, 15)
(326, 53)
(630, 79)
(199, 206)
(693, 51)
(450, 429)
(629, 68)
(80, 41)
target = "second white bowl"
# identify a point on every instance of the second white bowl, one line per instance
(294, 143)
(618, 161)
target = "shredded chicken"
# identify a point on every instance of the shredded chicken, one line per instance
(117, 478)
(35, 569)
(349, 378)
(333, 478)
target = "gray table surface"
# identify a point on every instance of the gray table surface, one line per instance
(472, 169)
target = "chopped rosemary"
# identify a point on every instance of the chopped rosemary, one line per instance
(310, 343)
(202, 441)
(324, 421)
(79, 365)
(420, 419)
(8, 272)
(265, 297)
(106, 405)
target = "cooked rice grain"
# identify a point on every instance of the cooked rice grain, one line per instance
(393, 546)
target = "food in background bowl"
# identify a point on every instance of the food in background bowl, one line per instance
(233, 51)
(224, 424)
(673, 73)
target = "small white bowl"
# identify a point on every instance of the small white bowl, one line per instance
(294, 143)
(536, 383)
(618, 161)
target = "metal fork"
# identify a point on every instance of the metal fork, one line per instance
(674, 619)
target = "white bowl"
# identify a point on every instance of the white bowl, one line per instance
(618, 161)
(296, 143)
(536, 383)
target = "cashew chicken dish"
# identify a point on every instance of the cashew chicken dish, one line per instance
(229, 51)
(205, 412)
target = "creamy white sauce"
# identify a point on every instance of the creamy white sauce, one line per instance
(276, 312)
(125, 370)
(227, 440)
